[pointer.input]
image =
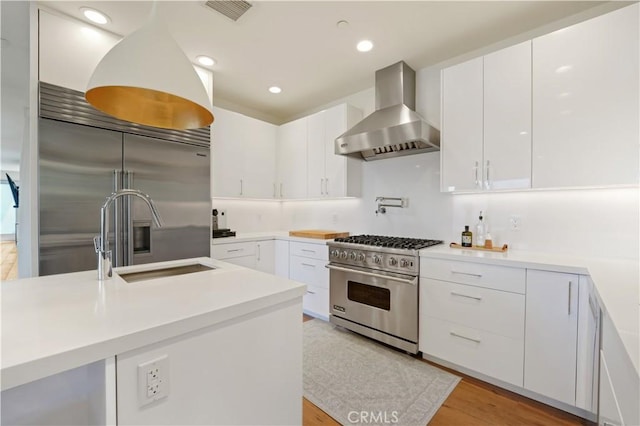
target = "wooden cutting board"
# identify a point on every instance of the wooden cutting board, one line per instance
(318, 233)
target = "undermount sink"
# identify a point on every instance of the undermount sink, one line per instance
(169, 271)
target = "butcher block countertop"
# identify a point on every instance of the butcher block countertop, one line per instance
(54, 323)
(617, 282)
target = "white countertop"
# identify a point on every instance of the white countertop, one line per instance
(261, 236)
(55, 323)
(617, 282)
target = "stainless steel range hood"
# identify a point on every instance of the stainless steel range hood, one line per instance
(394, 129)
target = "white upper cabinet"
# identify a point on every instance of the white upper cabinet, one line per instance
(331, 175)
(292, 160)
(343, 175)
(307, 164)
(461, 145)
(585, 103)
(507, 118)
(243, 156)
(486, 142)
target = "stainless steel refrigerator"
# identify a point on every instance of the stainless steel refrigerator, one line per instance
(80, 165)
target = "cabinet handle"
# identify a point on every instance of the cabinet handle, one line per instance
(274, 190)
(606, 423)
(258, 248)
(467, 273)
(308, 251)
(281, 190)
(311, 292)
(240, 186)
(454, 334)
(569, 299)
(326, 186)
(475, 168)
(321, 190)
(488, 182)
(453, 293)
(235, 250)
(309, 265)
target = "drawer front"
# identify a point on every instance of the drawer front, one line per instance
(487, 276)
(497, 312)
(309, 271)
(316, 301)
(487, 353)
(228, 251)
(315, 251)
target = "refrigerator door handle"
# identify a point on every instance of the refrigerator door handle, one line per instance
(128, 220)
(117, 220)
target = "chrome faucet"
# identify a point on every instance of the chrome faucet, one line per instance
(101, 242)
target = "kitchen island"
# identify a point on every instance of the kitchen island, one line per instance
(227, 338)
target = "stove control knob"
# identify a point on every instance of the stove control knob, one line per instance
(404, 263)
(335, 253)
(361, 257)
(377, 259)
(352, 256)
(343, 254)
(393, 261)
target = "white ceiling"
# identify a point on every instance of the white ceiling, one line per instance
(297, 45)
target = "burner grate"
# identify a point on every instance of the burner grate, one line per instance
(389, 242)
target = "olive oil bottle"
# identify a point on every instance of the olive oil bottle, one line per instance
(467, 237)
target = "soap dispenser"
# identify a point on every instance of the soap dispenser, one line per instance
(480, 231)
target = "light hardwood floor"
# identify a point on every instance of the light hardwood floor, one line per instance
(9, 258)
(473, 403)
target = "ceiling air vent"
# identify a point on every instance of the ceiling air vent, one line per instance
(232, 9)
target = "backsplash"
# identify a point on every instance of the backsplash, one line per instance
(588, 222)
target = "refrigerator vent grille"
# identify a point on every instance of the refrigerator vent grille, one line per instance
(232, 9)
(60, 103)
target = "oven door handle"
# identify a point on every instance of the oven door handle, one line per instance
(413, 281)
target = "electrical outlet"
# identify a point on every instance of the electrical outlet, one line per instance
(515, 223)
(153, 380)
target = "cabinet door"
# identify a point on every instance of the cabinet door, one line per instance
(507, 118)
(292, 159)
(227, 154)
(259, 168)
(462, 121)
(608, 413)
(343, 175)
(316, 155)
(551, 330)
(587, 347)
(266, 256)
(585, 103)
(282, 258)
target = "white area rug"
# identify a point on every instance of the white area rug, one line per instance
(359, 381)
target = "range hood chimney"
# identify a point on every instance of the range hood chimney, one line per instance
(394, 129)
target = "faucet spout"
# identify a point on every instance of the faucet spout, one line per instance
(101, 242)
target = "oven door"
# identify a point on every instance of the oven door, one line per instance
(384, 301)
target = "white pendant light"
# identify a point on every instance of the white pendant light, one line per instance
(147, 79)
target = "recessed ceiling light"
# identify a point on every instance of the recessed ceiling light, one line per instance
(95, 15)
(275, 89)
(206, 60)
(364, 46)
(342, 24)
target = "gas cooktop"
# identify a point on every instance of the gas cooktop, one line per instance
(389, 242)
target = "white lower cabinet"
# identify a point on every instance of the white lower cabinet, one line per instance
(551, 334)
(259, 255)
(537, 330)
(474, 325)
(609, 413)
(619, 380)
(282, 258)
(307, 263)
(266, 256)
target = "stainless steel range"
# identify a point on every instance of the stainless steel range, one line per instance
(373, 287)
